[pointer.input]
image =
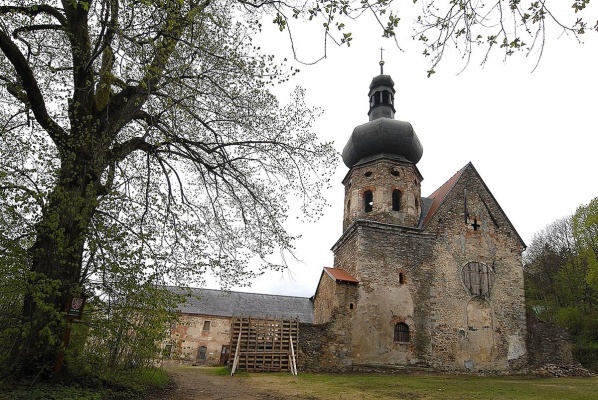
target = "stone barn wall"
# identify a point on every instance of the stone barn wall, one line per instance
(188, 336)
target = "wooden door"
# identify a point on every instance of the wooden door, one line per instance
(224, 354)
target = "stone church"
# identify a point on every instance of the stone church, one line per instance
(418, 282)
(435, 281)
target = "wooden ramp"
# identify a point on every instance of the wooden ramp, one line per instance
(264, 345)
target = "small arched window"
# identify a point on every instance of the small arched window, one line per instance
(396, 200)
(401, 332)
(368, 201)
(376, 99)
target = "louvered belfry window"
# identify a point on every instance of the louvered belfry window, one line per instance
(478, 278)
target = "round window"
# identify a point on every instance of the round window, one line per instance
(478, 278)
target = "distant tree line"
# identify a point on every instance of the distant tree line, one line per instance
(561, 272)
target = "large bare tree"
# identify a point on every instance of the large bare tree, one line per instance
(140, 142)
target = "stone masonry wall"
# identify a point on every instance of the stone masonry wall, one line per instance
(345, 252)
(325, 299)
(382, 177)
(188, 336)
(473, 332)
(386, 254)
(327, 347)
(548, 344)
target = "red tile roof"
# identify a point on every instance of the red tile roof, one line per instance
(340, 275)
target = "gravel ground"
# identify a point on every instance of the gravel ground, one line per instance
(195, 383)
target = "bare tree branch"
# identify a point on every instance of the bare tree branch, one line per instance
(31, 88)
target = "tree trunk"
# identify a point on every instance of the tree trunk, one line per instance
(55, 268)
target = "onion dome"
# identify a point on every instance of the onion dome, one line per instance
(383, 136)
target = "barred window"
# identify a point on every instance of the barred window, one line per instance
(478, 278)
(401, 332)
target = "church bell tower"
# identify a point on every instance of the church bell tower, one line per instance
(383, 183)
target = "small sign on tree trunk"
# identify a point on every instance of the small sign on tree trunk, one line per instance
(74, 308)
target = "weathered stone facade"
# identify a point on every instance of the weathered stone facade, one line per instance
(383, 177)
(416, 276)
(199, 339)
(490, 331)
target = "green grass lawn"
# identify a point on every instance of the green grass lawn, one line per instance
(422, 386)
(310, 386)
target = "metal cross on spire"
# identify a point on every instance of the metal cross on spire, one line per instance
(381, 62)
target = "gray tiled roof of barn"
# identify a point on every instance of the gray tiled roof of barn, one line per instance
(228, 304)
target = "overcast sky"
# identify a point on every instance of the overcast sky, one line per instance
(532, 136)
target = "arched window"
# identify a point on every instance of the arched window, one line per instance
(376, 99)
(385, 97)
(396, 200)
(368, 201)
(401, 332)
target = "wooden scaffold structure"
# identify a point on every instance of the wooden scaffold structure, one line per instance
(264, 344)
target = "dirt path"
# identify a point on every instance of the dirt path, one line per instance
(196, 383)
